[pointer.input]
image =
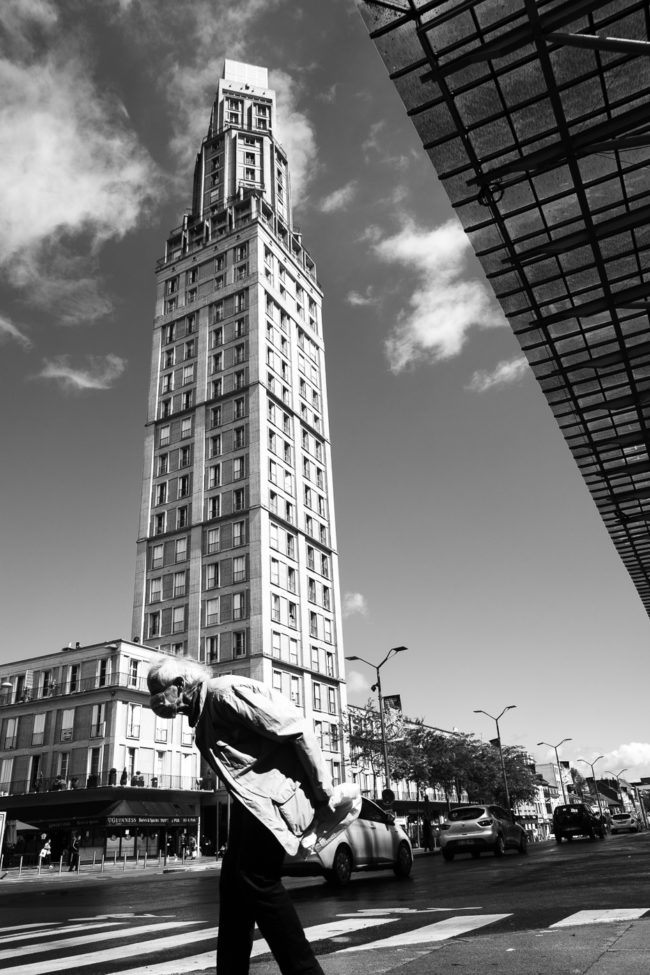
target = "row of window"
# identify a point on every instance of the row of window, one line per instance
(215, 651)
(74, 724)
(69, 680)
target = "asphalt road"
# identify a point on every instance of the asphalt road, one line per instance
(467, 916)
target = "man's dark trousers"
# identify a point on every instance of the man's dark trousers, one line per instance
(251, 892)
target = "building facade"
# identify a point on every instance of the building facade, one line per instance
(80, 750)
(236, 559)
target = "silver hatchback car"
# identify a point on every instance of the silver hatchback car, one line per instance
(480, 829)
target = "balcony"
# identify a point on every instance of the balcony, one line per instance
(88, 684)
(112, 778)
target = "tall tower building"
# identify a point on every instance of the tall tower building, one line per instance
(237, 555)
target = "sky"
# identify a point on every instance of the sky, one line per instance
(465, 530)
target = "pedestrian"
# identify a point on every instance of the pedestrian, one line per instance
(74, 855)
(259, 745)
(45, 854)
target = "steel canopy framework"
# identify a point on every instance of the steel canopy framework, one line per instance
(536, 117)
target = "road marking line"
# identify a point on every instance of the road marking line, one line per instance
(43, 925)
(32, 935)
(132, 932)
(601, 917)
(115, 953)
(439, 931)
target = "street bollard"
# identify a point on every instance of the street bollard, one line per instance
(124, 864)
(20, 867)
(114, 857)
(60, 865)
(102, 869)
(94, 857)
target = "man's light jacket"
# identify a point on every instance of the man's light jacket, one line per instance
(261, 747)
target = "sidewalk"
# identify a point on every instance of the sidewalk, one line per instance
(31, 874)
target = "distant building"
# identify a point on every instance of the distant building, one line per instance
(237, 562)
(80, 750)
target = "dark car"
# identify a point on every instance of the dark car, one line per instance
(577, 819)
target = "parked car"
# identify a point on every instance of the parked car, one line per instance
(372, 842)
(577, 819)
(624, 823)
(480, 829)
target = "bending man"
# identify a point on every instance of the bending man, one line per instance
(259, 745)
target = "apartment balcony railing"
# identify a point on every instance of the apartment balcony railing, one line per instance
(68, 689)
(111, 778)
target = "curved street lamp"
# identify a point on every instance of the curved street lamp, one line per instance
(557, 759)
(503, 767)
(593, 775)
(377, 687)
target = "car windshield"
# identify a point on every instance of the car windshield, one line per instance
(467, 812)
(621, 816)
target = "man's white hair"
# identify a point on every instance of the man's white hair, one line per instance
(165, 669)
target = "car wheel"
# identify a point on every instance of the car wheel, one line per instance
(523, 845)
(476, 854)
(404, 862)
(558, 837)
(447, 855)
(341, 870)
(499, 847)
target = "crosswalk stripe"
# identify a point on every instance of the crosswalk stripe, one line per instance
(439, 931)
(43, 926)
(50, 932)
(206, 959)
(115, 953)
(601, 917)
(133, 932)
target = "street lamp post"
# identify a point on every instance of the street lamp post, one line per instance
(557, 759)
(503, 765)
(617, 776)
(377, 687)
(593, 775)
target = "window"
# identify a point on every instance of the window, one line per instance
(239, 568)
(184, 456)
(313, 624)
(240, 328)
(161, 493)
(329, 664)
(295, 694)
(134, 666)
(187, 399)
(239, 533)
(238, 468)
(160, 729)
(67, 724)
(179, 583)
(188, 374)
(316, 692)
(238, 499)
(216, 337)
(154, 624)
(239, 643)
(291, 579)
(331, 700)
(240, 380)
(168, 382)
(162, 464)
(178, 619)
(169, 333)
(216, 362)
(11, 734)
(214, 476)
(182, 516)
(103, 673)
(181, 549)
(186, 427)
(293, 615)
(212, 649)
(98, 721)
(157, 556)
(238, 606)
(215, 416)
(133, 719)
(275, 608)
(168, 358)
(213, 543)
(190, 349)
(214, 447)
(212, 611)
(183, 486)
(165, 408)
(164, 436)
(214, 506)
(73, 678)
(155, 590)
(212, 575)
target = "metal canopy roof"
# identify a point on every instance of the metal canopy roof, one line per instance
(536, 116)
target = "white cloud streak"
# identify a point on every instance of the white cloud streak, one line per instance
(72, 172)
(11, 332)
(338, 199)
(445, 304)
(354, 604)
(358, 300)
(505, 373)
(98, 372)
(357, 683)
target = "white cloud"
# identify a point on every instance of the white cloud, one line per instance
(634, 756)
(357, 683)
(357, 299)
(295, 133)
(99, 372)
(9, 331)
(354, 604)
(506, 372)
(371, 142)
(445, 304)
(71, 169)
(338, 199)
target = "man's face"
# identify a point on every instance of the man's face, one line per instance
(166, 699)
